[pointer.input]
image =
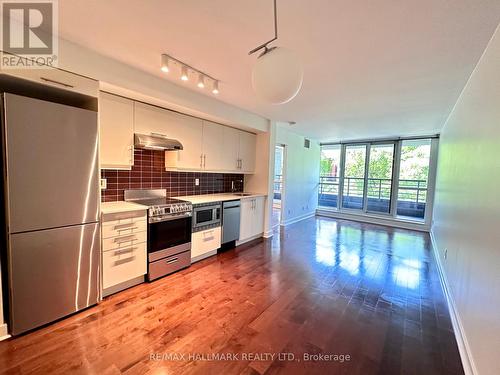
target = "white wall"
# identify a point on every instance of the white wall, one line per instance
(467, 211)
(262, 180)
(301, 175)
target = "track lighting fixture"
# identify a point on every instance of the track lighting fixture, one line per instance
(164, 64)
(215, 88)
(170, 64)
(201, 81)
(184, 74)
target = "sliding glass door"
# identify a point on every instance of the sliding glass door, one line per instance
(353, 196)
(413, 178)
(380, 170)
(388, 178)
(329, 179)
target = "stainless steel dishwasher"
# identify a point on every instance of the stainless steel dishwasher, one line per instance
(231, 221)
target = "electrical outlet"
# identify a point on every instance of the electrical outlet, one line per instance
(196, 182)
(445, 254)
(104, 183)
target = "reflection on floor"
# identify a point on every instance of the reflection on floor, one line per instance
(276, 217)
(368, 296)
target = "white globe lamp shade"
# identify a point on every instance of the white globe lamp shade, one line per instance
(277, 75)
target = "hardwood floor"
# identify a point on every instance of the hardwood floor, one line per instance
(323, 286)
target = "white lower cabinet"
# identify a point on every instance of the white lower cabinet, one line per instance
(251, 217)
(124, 249)
(204, 243)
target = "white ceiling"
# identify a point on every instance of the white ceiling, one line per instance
(371, 68)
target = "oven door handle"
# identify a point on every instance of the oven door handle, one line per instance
(153, 220)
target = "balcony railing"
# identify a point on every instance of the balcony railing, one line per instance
(411, 199)
(278, 186)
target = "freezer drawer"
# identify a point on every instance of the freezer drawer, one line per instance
(56, 273)
(168, 265)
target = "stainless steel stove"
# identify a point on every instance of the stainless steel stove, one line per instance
(169, 231)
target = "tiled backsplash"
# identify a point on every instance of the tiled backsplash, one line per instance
(148, 172)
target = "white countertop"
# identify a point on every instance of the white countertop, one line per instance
(207, 198)
(120, 206)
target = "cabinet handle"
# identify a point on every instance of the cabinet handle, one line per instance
(204, 160)
(125, 239)
(125, 250)
(56, 82)
(201, 161)
(125, 226)
(159, 135)
(125, 260)
(131, 150)
(131, 228)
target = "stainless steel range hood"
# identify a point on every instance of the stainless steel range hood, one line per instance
(156, 142)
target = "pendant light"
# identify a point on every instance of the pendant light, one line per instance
(277, 74)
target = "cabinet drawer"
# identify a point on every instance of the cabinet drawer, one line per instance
(168, 265)
(205, 241)
(125, 240)
(123, 218)
(122, 229)
(123, 264)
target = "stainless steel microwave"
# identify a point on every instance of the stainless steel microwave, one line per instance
(206, 215)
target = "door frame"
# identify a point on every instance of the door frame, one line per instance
(283, 181)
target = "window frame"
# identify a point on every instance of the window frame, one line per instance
(392, 214)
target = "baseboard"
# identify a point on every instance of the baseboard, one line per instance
(238, 243)
(298, 218)
(122, 286)
(4, 332)
(203, 256)
(268, 234)
(463, 345)
(371, 219)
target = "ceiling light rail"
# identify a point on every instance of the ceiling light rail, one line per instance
(168, 60)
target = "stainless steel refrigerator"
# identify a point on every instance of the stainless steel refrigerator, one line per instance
(51, 188)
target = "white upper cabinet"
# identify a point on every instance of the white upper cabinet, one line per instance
(212, 146)
(230, 146)
(54, 77)
(247, 145)
(186, 129)
(207, 146)
(150, 119)
(116, 122)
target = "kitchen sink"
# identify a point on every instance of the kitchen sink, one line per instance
(242, 194)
